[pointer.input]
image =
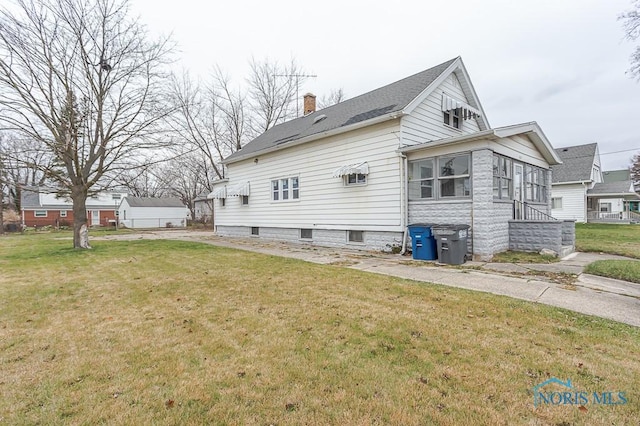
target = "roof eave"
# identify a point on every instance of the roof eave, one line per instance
(316, 136)
(485, 134)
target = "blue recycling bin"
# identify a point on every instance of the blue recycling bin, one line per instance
(423, 243)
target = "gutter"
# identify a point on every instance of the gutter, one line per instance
(310, 138)
(404, 196)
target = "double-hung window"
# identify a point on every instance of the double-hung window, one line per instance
(502, 177)
(285, 189)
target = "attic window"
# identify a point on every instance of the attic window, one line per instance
(454, 112)
(319, 118)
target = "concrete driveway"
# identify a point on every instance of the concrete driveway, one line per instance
(587, 294)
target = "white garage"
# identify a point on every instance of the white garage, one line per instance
(136, 212)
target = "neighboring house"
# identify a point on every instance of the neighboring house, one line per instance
(582, 192)
(358, 172)
(135, 212)
(203, 207)
(44, 207)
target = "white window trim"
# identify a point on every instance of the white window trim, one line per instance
(35, 213)
(345, 180)
(63, 213)
(290, 189)
(555, 200)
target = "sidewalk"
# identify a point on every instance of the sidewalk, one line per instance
(589, 294)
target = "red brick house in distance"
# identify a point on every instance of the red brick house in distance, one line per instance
(43, 207)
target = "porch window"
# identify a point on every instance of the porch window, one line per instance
(440, 177)
(453, 176)
(556, 202)
(535, 184)
(502, 177)
(421, 178)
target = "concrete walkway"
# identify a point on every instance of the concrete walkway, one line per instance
(587, 294)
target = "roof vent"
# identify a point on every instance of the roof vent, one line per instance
(565, 149)
(319, 118)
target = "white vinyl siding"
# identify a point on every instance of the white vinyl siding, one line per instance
(573, 202)
(325, 202)
(425, 123)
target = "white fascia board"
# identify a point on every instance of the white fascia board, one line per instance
(311, 138)
(455, 65)
(537, 136)
(486, 134)
(615, 195)
(575, 182)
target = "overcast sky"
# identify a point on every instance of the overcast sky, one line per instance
(561, 63)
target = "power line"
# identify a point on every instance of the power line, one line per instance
(618, 152)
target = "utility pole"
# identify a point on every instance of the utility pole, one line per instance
(297, 77)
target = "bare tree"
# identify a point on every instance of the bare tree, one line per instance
(631, 25)
(83, 80)
(209, 118)
(335, 97)
(186, 178)
(635, 172)
(24, 163)
(274, 92)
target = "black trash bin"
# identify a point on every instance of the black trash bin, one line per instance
(451, 243)
(423, 245)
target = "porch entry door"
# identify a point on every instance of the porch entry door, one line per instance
(95, 217)
(518, 190)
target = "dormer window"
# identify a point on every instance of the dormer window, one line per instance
(452, 118)
(454, 111)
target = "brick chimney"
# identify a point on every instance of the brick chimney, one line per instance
(309, 103)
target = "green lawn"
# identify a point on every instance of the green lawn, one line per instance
(169, 332)
(623, 240)
(627, 270)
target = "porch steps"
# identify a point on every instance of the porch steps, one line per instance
(565, 251)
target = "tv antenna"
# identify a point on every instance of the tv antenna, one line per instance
(297, 77)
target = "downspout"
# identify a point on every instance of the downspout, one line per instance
(404, 200)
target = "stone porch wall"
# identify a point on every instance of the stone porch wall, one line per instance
(534, 236)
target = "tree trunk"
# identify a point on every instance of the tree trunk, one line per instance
(80, 228)
(1, 209)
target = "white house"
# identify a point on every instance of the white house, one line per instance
(580, 193)
(358, 172)
(135, 212)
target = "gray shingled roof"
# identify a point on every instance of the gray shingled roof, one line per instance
(620, 187)
(391, 98)
(29, 198)
(154, 202)
(577, 163)
(616, 175)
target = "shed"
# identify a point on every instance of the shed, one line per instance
(136, 212)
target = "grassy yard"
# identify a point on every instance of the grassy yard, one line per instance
(623, 240)
(168, 332)
(627, 270)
